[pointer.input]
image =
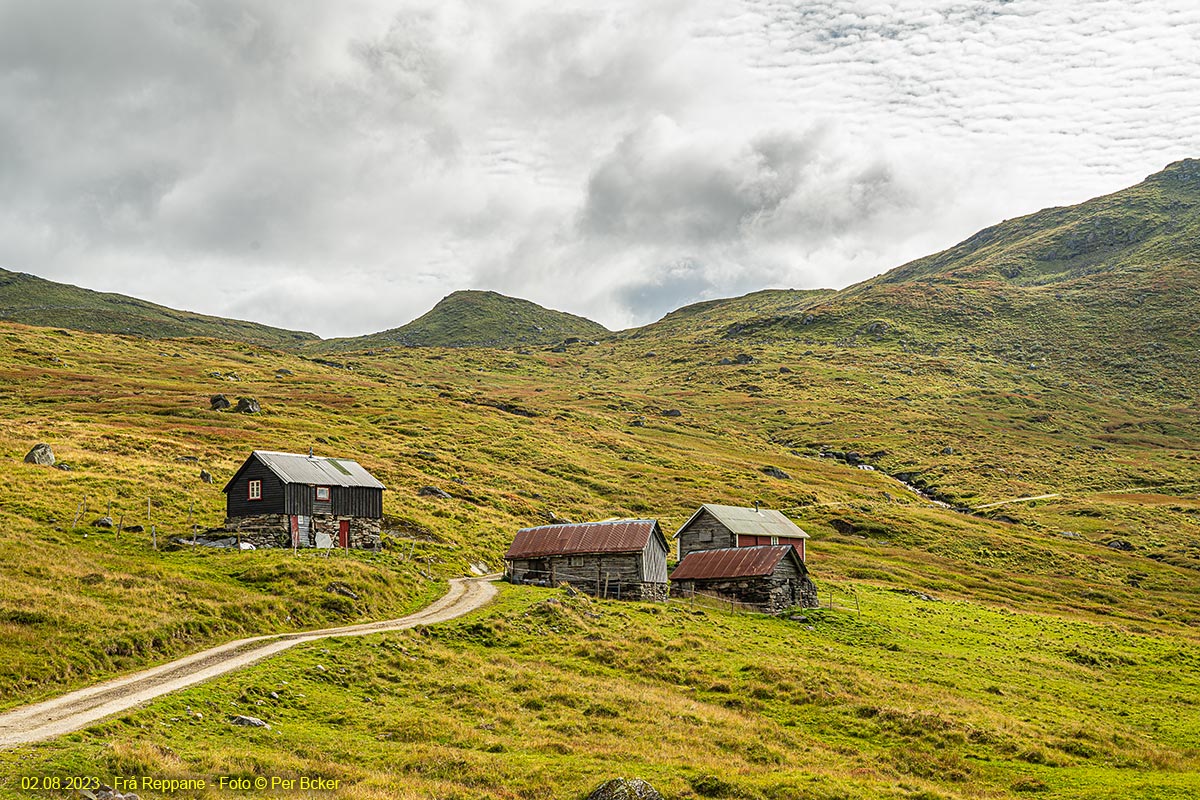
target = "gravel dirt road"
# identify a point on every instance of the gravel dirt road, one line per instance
(81, 708)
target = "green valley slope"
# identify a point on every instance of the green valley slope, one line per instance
(1101, 295)
(1062, 661)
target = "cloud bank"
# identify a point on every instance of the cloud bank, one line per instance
(340, 167)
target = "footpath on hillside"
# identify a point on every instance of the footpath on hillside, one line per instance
(70, 712)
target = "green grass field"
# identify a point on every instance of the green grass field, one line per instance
(545, 695)
(1037, 384)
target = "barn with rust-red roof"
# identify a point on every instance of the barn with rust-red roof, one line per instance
(623, 558)
(771, 578)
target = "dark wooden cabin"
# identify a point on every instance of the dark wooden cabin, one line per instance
(624, 559)
(714, 527)
(292, 500)
(769, 578)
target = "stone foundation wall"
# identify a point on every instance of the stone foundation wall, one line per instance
(769, 595)
(275, 530)
(364, 532)
(262, 530)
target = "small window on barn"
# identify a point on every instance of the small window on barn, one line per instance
(255, 490)
(774, 540)
(705, 535)
(322, 493)
(574, 561)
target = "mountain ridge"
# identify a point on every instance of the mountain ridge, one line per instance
(476, 318)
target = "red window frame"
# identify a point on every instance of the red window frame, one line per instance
(254, 490)
(323, 490)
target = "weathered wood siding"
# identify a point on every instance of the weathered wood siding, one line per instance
(356, 501)
(705, 533)
(653, 566)
(624, 576)
(237, 502)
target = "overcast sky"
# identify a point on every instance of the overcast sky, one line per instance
(340, 166)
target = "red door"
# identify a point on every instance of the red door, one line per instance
(344, 533)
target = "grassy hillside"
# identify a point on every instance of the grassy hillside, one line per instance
(1059, 533)
(546, 695)
(478, 319)
(1100, 295)
(34, 301)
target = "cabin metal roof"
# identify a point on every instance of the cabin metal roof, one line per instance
(749, 521)
(610, 536)
(732, 562)
(312, 470)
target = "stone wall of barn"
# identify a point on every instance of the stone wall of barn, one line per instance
(275, 530)
(364, 532)
(262, 530)
(771, 594)
(705, 533)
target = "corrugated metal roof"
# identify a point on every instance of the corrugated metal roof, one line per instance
(731, 562)
(612, 536)
(316, 470)
(749, 521)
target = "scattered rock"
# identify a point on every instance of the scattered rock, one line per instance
(479, 568)
(798, 618)
(843, 526)
(625, 789)
(249, 722)
(776, 472)
(63, 467)
(134, 529)
(337, 587)
(219, 402)
(672, 412)
(947, 451)
(724, 362)
(41, 454)
(433, 491)
(637, 422)
(651, 354)
(744, 358)
(785, 371)
(428, 455)
(572, 340)
(103, 522)
(248, 405)
(1123, 545)
(187, 459)
(284, 371)
(1070, 534)
(916, 594)
(555, 519)
(206, 476)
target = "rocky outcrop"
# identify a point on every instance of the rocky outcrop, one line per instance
(625, 789)
(40, 454)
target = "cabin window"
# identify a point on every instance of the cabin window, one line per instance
(323, 493)
(706, 535)
(574, 561)
(255, 490)
(774, 540)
